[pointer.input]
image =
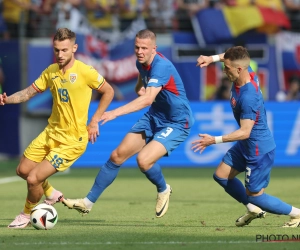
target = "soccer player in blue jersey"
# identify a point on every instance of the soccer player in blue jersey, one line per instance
(66, 136)
(157, 133)
(254, 150)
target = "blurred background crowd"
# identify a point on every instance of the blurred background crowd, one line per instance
(40, 18)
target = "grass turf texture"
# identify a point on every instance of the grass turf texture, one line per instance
(201, 215)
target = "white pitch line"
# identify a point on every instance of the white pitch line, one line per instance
(134, 243)
(17, 178)
(10, 179)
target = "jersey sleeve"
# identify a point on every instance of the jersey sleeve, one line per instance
(159, 76)
(42, 83)
(93, 78)
(249, 107)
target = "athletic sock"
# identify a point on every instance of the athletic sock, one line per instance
(234, 187)
(270, 204)
(252, 208)
(155, 175)
(105, 177)
(48, 189)
(88, 203)
(29, 206)
(295, 212)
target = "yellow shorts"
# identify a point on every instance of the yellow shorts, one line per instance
(60, 155)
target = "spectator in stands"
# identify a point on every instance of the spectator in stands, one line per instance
(68, 14)
(293, 11)
(101, 13)
(186, 9)
(161, 15)
(129, 10)
(293, 92)
(223, 91)
(15, 14)
(42, 24)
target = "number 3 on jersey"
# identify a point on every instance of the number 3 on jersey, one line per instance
(166, 133)
(64, 95)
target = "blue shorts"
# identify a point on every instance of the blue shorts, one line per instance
(168, 134)
(257, 168)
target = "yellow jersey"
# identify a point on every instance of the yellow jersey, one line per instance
(71, 94)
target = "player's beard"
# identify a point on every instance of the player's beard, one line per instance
(66, 62)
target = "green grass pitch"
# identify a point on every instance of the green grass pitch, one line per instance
(201, 215)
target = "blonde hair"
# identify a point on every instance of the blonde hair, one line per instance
(145, 33)
(64, 34)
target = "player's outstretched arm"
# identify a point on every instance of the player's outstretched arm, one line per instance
(18, 97)
(107, 95)
(204, 61)
(137, 104)
(240, 134)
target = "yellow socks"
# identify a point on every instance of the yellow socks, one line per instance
(48, 189)
(29, 206)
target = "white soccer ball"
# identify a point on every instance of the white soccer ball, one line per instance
(43, 216)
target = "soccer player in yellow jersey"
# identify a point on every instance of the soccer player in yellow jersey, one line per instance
(66, 136)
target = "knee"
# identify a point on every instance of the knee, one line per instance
(116, 157)
(142, 163)
(32, 180)
(21, 173)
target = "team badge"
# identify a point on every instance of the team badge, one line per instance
(73, 77)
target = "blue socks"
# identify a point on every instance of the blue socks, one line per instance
(105, 177)
(234, 188)
(155, 175)
(109, 172)
(270, 204)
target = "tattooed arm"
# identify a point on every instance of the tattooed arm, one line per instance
(21, 96)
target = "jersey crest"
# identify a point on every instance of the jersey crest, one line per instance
(73, 77)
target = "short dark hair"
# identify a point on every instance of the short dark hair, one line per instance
(237, 53)
(145, 33)
(64, 34)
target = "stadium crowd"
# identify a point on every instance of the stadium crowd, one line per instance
(40, 18)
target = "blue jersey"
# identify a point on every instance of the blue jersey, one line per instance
(171, 104)
(247, 103)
